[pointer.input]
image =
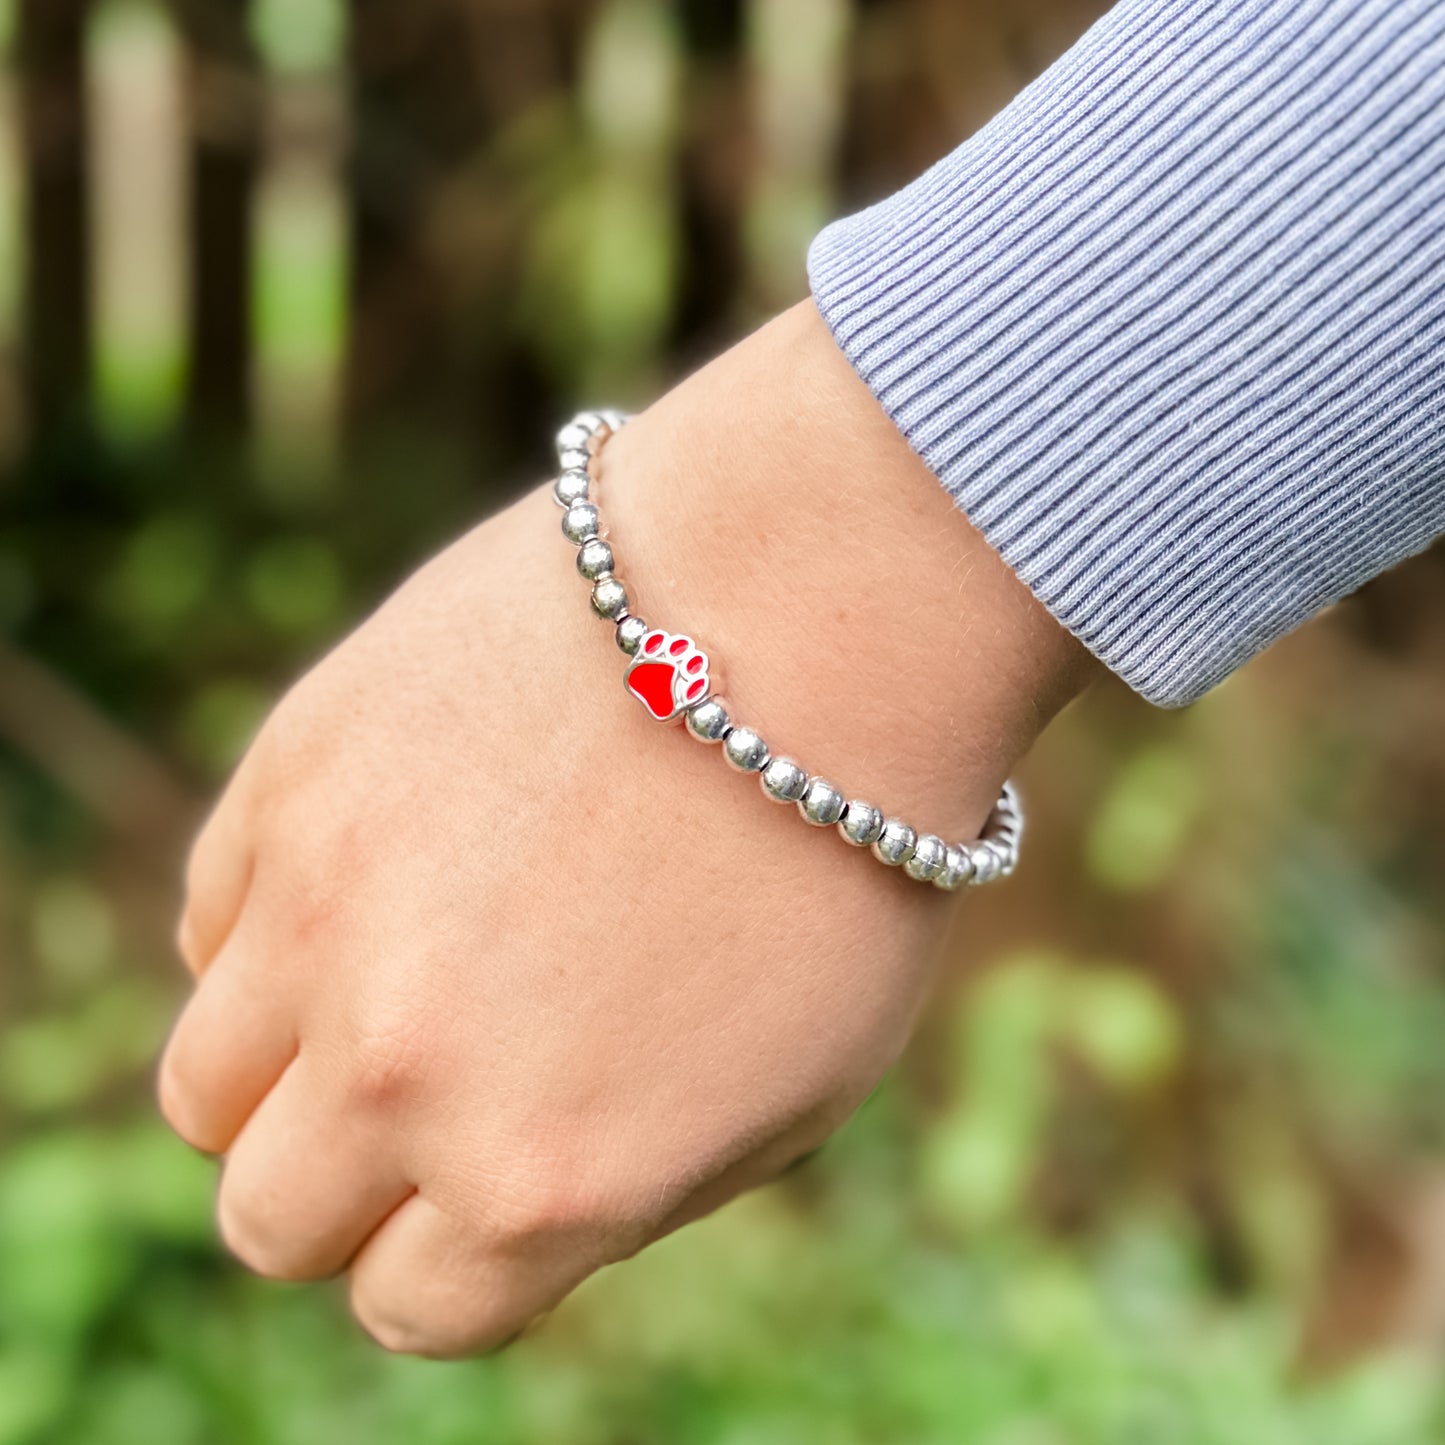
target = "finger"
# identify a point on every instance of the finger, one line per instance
(425, 1284)
(230, 1045)
(305, 1184)
(218, 878)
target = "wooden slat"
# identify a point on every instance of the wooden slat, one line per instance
(711, 172)
(56, 324)
(226, 111)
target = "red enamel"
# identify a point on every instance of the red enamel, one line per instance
(651, 683)
(679, 646)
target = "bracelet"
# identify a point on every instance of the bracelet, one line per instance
(669, 675)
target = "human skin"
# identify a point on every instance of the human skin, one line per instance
(498, 980)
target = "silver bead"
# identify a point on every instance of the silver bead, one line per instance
(783, 780)
(1004, 838)
(594, 421)
(575, 435)
(571, 487)
(708, 722)
(594, 558)
(1004, 820)
(745, 750)
(957, 868)
(927, 862)
(895, 843)
(987, 864)
(609, 598)
(615, 419)
(574, 459)
(861, 823)
(1007, 822)
(581, 522)
(630, 632)
(822, 804)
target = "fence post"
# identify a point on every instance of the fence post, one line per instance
(56, 325)
(225, 116)
(711, 171)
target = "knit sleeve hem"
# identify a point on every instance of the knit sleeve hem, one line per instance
(1171, 327)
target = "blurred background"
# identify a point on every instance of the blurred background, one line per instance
(293, 290)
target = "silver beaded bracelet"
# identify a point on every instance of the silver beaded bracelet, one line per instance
(668, 675)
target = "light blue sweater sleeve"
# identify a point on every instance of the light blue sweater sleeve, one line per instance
(1171, 327)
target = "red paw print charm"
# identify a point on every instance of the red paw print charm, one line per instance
(668, 675)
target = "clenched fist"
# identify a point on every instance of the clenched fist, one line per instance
(497, 979)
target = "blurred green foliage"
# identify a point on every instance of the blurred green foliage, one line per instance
(847, 1309)
(1185, 1084)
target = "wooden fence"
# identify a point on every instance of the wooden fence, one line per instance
(468, 109)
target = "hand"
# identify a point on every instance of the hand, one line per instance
(497, 979)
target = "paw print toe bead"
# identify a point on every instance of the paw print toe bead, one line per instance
(745, 750)
(928, 858)
(822, 804)
(783, 780)
(709, 722)
(895, 843)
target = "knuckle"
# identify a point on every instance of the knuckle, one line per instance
(293, 751)
(560, 1203)
(392, 1059)
(316, 920)
(249, 1219)
(395, 1337)
(196, 865)
(176, 1098)
(548, 1206)
(187, 944)
(412, 1329)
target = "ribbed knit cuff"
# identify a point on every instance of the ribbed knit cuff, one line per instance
(1171, 327)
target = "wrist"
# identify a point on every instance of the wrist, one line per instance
(770, 508)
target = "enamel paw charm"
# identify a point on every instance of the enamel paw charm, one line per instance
(667, 675)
